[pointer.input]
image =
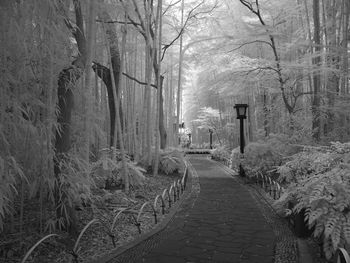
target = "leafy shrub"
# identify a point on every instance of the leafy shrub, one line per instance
(135, 173)
(74, 188)
(264, 155)
(305, 163)
(108, 172)
(171, 161)
(10, 170)
(320, 184)
(220, 154)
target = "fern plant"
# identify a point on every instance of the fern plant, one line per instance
(171, 162)
(73, 188)
(320, 184)
(135, 173)
(264, 155)
(106, 170)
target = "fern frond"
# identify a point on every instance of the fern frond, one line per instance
(330, 225)
(335, 236)
(315, 215)
(328, 248)
(346, 231)
(319, 228)
(317, 191)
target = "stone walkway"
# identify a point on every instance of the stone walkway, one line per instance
(224, 224)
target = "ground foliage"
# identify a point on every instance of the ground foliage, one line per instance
(96, 191)
(318, 181)
(264, 155)
(96, 241)
(171, 161)
(220, 153)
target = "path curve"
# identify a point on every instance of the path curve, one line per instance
(224, 224)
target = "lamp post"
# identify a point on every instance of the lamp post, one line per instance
(241, 110)
(181, 130)
(211, 138)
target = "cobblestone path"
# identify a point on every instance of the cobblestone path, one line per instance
(224, 224)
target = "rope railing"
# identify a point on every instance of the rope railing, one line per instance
(272, 187)
(176, 189)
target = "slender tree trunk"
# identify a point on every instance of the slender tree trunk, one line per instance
(316, 76)
(178, 99)
(148, 74)
(170, 107)
(309, 36)
(266, 114)
(111, 49)
(67, 79)
(333, 63)
(137, 106)
(105, 74)
(344, 89)
(88, 94)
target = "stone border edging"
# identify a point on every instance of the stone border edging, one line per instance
(155, 232)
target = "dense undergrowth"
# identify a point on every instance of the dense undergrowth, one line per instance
(96, 192)
(318, 181)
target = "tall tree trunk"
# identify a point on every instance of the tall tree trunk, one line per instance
(111, 50)
(344, 89)
(178, 97)
(148, 75)
(138, 107)
(90, 32)
(316, 75)
(159, 100)
(332, 60)
(266, 114)
(105, 74)
(162, 129)
(170, 106)
(66, 81)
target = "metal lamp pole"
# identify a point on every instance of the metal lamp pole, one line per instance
(211, 138)
(241, 110)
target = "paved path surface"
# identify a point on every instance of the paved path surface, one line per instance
(224, 224)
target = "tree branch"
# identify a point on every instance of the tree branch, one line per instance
(251, 42)
(278, 69)
(139, 16)
(189, 16)
(139, 26)
(170, 6)
(260, 69)
(106, 74)
(138, 81)
(116, 22)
